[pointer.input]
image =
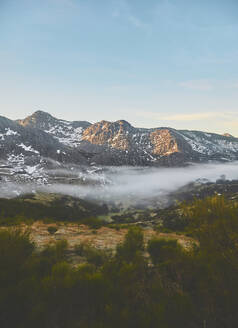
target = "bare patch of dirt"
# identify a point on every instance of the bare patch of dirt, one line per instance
(103, 238)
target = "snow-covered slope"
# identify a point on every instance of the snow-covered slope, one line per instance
(25, 152)
(42, 137)
(212, 145)
(16, 139)
(66, 132)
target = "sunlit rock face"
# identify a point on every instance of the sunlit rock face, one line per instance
(42, 137)
(160, 146)
(116, 135)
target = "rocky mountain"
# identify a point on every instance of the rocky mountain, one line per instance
(135, 146)
(67, 133)
(44, 139)
(26, 150)
(159, 146)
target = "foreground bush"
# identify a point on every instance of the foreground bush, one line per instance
(170, 288)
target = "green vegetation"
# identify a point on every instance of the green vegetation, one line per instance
(162, 250)
(92, 255)
(159, 285)
(92, 222)
(49, 208)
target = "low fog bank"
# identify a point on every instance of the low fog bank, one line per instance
(131, 185)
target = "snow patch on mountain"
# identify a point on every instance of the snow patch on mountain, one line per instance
(8, 132)
(17, 169)
(28, 148)
(209, 144)
(66, 133)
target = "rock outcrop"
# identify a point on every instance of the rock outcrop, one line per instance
(109, 143)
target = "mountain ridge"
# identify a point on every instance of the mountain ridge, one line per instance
(45, 114)
(41, 135)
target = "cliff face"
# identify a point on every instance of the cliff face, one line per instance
(110, 143)
(121, 135)
(141, 146)
(167, 141)
(115, 135)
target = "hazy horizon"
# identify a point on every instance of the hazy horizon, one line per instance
(92, 122)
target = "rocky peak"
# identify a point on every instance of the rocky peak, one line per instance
(68, 133)
(41, 114)
(39, 119)
(114, 134)
(124, 124)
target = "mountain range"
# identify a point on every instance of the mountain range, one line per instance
(41, 137)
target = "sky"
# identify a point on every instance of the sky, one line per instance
(153, 63)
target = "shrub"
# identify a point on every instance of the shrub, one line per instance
(52, 230)
(133, 244)
(162, 250)
(92, 255)
(93, 223)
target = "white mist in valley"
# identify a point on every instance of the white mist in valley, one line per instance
(126, 184)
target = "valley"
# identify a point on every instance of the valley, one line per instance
(106, 205)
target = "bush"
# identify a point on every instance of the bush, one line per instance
(52, 230)
(182, 289)
(15, 247)
(93, 223)
(162, 250)
(93, 256)
(133, 244)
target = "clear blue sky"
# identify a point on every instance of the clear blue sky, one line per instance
(153, 63)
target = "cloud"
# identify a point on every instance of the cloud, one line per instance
(124, 11)
(135, 21)
(234, 85)
(188, 117)
(191, 117)
(208, 85)
(65, 3)
(233, 123)
(217, 122)
(128, 185)
(202, 85)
